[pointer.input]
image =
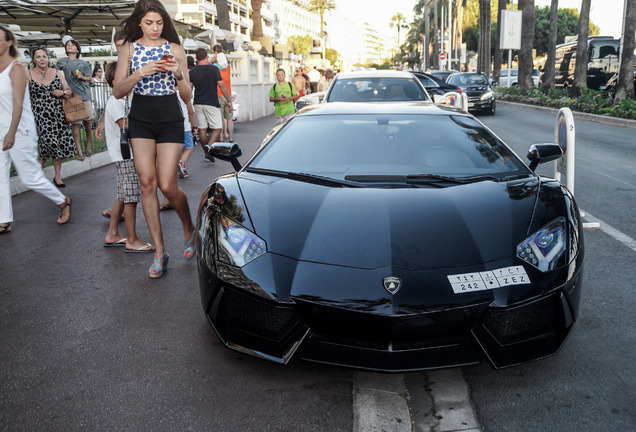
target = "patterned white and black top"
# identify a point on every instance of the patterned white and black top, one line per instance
(158, 84)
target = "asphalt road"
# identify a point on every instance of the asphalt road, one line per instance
(89, 342)
(591, 384)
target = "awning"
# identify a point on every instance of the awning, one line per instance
(90, 22)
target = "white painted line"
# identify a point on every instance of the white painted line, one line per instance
(380, 403)
(613, 232)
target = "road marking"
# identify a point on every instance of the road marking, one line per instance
(612, 232)
(437, 400)
(614, 178)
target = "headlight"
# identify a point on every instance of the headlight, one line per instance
(486, 95)
(237, 245)
(544, 248)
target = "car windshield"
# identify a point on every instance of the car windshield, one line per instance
(346, 147)
(377, 89)
(467, 79)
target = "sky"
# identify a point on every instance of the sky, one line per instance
(607, 14)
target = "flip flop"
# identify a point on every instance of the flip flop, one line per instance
(5, 228)
(118, 243)
(141, 249)
(167, 206)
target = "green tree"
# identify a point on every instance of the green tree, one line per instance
(332, 55)
(399, 22)
(567, 25)
(321, 6)
(301, 44)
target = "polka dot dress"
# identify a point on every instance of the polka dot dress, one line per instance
(158, 84)
(54, 133)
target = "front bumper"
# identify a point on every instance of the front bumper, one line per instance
(396, 340)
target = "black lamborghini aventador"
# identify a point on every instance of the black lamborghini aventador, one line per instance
(389, 237)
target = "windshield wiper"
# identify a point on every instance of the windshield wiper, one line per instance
(409, 178)
(306, 177)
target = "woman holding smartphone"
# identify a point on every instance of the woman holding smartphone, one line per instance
(157, 70)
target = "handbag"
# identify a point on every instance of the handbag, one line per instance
(124, 138)
(74, 109)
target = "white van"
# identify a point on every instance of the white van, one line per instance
(513, 81)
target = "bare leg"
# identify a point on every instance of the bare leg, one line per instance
(76, 137)
(214, 136)
(130, 216)
(203, 138)
(167, 158)
(185, 155)
(57, 167)
(230, 129)
(112, 235)
(146, 164)
(88, 126)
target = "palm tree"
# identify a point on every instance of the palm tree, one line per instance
(527, 39)
(580, 70)
(436, 35)
(548, 71)
(483, 48)
(398, 21)
(223, 14)
(321, 6)
(257, 20)
(625, 87)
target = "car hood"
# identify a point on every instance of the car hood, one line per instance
(410, 228)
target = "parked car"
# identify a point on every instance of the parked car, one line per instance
(442, 74)
(477, 88)
(310, 99)
(389, 237)
(504, 81)
(376, 86)
(434, 85)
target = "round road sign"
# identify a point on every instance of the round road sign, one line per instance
(442, 56)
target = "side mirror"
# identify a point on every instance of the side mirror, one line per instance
(229, 152)
(541, 153)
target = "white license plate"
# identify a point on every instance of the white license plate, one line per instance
(470, 105)
(487, 280)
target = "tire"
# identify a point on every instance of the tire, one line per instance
(493, 108)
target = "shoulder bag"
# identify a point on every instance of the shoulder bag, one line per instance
(74, 109)
(124, 140)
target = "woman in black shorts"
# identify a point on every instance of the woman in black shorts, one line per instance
(157, 70)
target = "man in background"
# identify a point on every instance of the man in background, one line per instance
(205, 78)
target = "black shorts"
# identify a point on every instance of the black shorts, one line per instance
(156, 117)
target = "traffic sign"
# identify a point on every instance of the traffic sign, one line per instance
(442, 56)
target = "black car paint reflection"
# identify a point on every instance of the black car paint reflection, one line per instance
(317, 293)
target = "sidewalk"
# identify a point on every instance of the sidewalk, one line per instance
(69, 169)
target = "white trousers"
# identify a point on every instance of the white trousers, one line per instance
(24, 156)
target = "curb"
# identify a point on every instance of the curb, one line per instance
(595, 118)
(415, 402)
(69, 169)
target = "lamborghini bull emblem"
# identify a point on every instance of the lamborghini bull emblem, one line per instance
(392, 284)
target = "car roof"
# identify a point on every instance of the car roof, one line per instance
(388, 108)
(375, 74)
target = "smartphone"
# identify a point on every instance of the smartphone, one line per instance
(167, 57)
